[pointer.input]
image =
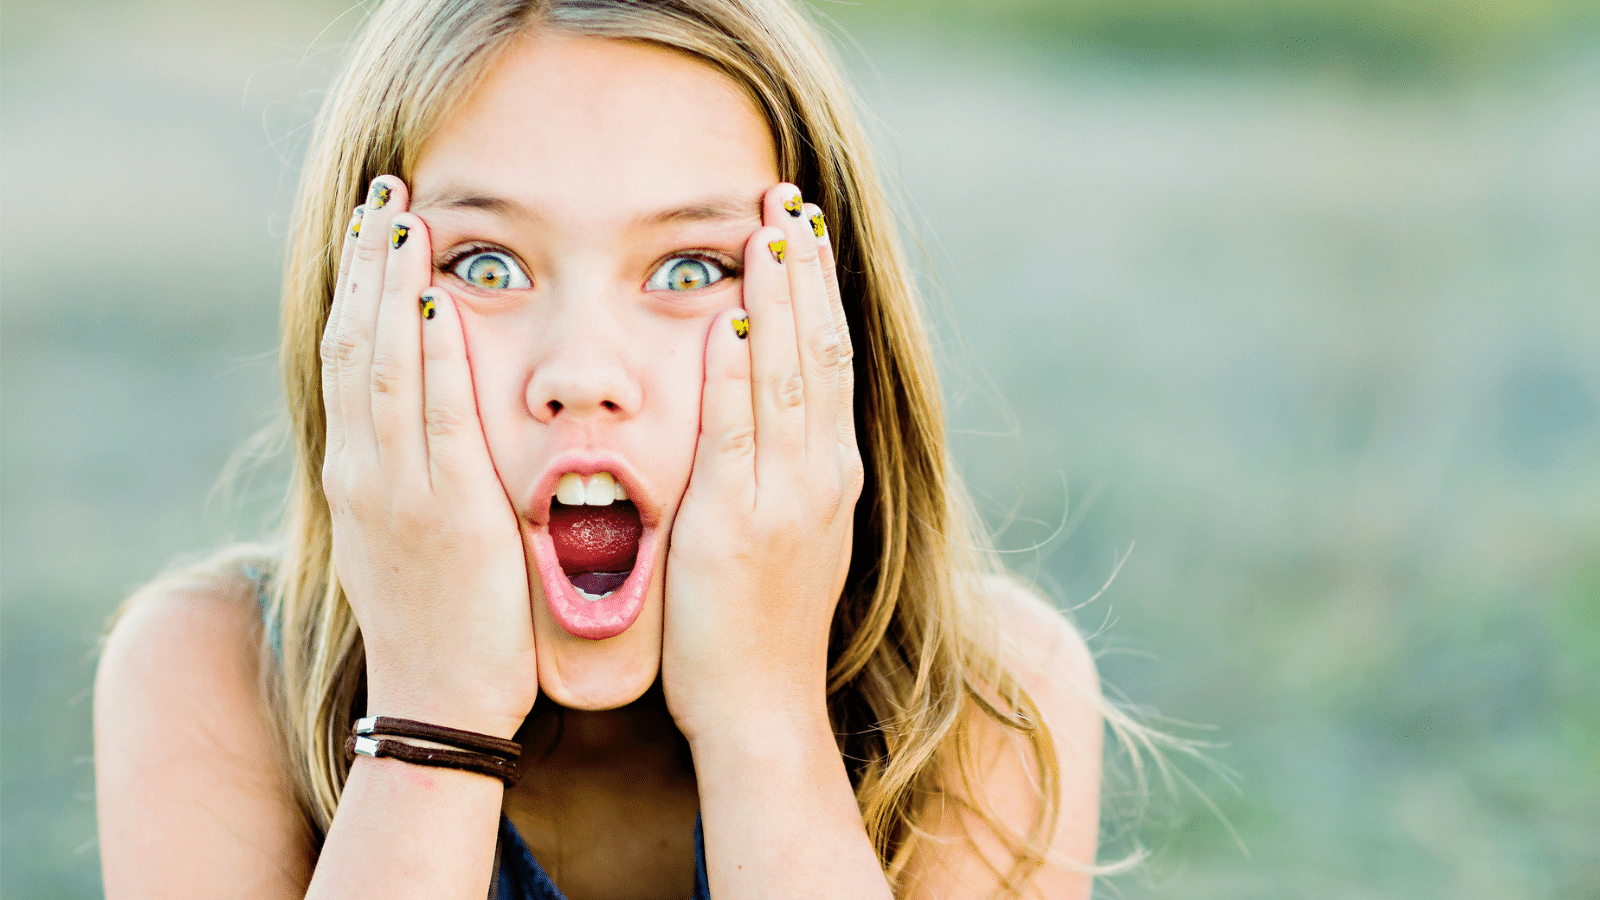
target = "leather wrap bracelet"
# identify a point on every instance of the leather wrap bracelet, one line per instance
(481, 763)
(485, 754)
(455, 737)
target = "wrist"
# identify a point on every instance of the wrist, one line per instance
(427, 704)
(772, 737)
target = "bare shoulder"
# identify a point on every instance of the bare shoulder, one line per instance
(193, 797)
(185, 645)
(179, 627)
(1050, 654)
(1008, 795)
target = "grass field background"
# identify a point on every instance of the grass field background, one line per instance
(1293, 309)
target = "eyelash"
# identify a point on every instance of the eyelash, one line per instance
(729, 268)
(449, 264)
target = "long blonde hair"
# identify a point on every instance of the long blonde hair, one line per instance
(914, 652)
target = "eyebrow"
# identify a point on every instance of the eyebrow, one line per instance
(714, 209)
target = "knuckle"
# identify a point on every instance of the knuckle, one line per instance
(386, 376)
(348, 348)
(739, 440)
(789, 390)
(788, 520)
(370, 252)
(828, 349)
(441, 421)
(332, 481)
(803, 250)
(855, 478)
(825, 497)
(353, 502)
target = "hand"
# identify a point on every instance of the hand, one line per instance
(425, 542)
(761, 543)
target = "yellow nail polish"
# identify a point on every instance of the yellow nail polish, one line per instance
(355, 221)
(819, 226)
(792, 205)
(741, 326)
(397, 235)
(380, 195)
(428, 309)
(777, 249)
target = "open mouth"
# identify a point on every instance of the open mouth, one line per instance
(594, 556)
(596, 545)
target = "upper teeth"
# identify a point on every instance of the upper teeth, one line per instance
(600, 489)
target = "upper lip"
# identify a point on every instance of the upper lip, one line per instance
(591, 462)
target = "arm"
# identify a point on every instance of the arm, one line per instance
(760, 551)
(192, 796)
(430, 558)
(759, 557)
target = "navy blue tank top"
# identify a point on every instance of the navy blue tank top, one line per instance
(517, 875)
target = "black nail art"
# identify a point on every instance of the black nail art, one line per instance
(355, 221)
(398, 234)
(380, 196)
(741, 326)
(793, 205)
(819, 225)
(428, 309)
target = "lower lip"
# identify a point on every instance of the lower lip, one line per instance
(594, 620)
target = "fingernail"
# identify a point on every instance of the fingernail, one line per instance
(777, 250)
(397, 235)
(793, 205)
(741, 326)
(819, 225)
(379, 196)
(428, 308)
(355, 221)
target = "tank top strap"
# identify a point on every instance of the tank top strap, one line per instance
(260, 580)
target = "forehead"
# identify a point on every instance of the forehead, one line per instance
(596, 124)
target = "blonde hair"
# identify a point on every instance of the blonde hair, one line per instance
(914, 650)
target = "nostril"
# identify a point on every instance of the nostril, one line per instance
(610, 406)
(555, 407)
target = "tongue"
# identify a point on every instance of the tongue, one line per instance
(595, 538)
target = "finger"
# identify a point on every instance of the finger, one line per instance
(846, 373)
(777, 385)
(724, 455)
(333, 411)
(815, 330)
(458, 453)
(396, 373)
(358, 315)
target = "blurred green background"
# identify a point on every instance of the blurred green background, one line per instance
(1296, 300)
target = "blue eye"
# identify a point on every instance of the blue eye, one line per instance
(685, 273)
(491, 270)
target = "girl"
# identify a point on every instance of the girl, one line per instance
(617, 438)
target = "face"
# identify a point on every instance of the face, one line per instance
(588, 206)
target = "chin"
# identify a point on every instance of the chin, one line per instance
(586, 674)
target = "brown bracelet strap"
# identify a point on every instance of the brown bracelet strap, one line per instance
(455, 737)
(480, 763)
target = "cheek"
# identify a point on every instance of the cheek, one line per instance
(498, 368)
(673, 391)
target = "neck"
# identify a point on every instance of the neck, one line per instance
(559, 737)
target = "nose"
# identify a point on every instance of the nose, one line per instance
(583, 372)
